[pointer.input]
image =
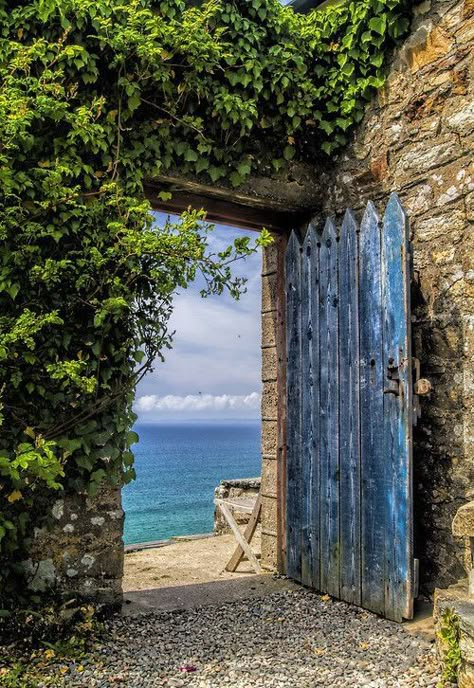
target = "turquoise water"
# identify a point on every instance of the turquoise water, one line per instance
(178, 466)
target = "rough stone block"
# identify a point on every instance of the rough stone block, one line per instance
(469, 200)
(270, 258)
(463, 523)
(269, 364)
(418, 157)
(269, 477)
(270, 401)
(269, 552)
(428, 44)
(434, 227)
(269, 514)
(269, 438)
(269, 293)
(269, 328)
(462, 119)
(466, 676)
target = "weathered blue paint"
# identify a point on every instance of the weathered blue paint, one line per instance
(294, 375)
(397, 412)
(329, 409)
(349, 412)
(310, 405)
(371, 408)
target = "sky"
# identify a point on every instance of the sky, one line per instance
(213, 371)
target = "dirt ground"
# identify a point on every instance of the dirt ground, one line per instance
(184, 562)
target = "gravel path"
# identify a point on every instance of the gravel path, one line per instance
(290, 639)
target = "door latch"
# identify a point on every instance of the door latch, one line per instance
(393, 379)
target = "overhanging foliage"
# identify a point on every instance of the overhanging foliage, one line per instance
(95, 97)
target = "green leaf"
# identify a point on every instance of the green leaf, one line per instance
(379, 24)
(132, 438)
(377, 60)
(133, 102)
(191, 155)
(13, 290)
(235, 179)
(165, 195)
(327, 147)
(348, 69)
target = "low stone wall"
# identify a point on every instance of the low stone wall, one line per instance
(79, 552)
(245, 487)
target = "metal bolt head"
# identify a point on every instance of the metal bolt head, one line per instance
(423, 387)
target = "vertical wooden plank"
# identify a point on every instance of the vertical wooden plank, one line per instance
(315, 487)
(371, 420)
(294, 410)
(310, 410)
(329, 410)
(349, 423)
(306, 412)
(281, 381)
(397, 412)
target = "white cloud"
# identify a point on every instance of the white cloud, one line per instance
(235, 403)
(216, 355)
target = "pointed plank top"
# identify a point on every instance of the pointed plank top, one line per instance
(370, 217)
(329, 232)
(349, 227)
(294, 242)
(293, 249)
(312, 238)
(395, 208)
(349, 221)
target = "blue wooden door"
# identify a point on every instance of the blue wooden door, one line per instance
(349, 411)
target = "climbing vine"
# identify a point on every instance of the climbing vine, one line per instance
(450, 635)
(96, 96)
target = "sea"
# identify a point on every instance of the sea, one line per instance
(178, 465)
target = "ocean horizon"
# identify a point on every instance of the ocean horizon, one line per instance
(178, 465)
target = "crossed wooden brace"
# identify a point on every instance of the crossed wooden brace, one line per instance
(249, 506)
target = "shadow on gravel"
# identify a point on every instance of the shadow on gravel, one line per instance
(202, 594)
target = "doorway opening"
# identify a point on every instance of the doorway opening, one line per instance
(199, 423)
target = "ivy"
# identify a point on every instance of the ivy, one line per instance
(96, 96)
(450, 636)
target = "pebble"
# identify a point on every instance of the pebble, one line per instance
(290, 639)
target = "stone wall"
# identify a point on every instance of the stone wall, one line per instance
(246, 488)
(273, 355)
(417, 139)
(79, 552)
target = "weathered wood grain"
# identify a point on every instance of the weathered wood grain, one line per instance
(310, 409)
(280, 336)
(373, 501)
(349, 435)
(349, 410)
(329, 410)
(294, 415)
(397, 413)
